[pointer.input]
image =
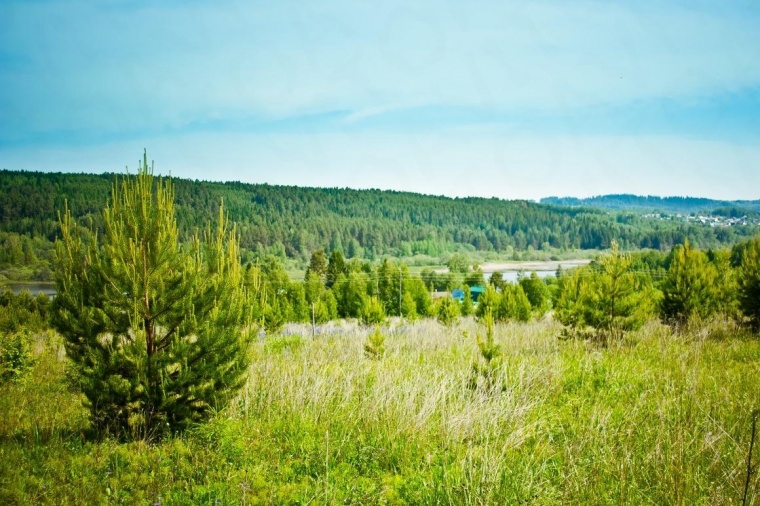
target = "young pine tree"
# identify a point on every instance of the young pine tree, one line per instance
(448, 311)
(613, 300)
(155, 331)
(749, 282)
(689, 289)
(468, 306)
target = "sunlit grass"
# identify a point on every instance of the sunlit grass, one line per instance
(661, 418)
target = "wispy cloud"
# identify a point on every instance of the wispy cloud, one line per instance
(84, 76)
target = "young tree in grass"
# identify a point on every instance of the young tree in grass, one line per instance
(487, 302)
(155, 331)
(505, 308)
(749, 282)
(537, 292)
(613, 300)
(448, 311)
(408, 307)
(468, 306)
(726, 284)
(689, 289)
(372, 312)
(568, 309)
(522, 304)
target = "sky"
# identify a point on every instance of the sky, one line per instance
(508, 99)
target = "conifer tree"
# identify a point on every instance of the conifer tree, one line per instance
(537, 292)
(613, 300)
(522, 304)
(749, 282)
(372, 312)
(154, 330)
(408, 307)
(335, 267)
(468, 306)
(317, 263)
(487, 302)
(448, 311)
(506, 306)
(496, 280)
(688, 290)
(568, 308)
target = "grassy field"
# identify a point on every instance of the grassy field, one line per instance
(662, 418)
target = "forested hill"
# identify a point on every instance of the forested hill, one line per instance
(656, 204)
(294, 221)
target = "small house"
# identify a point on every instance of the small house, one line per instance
(475, 292)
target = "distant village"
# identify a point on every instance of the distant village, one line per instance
(708, 220)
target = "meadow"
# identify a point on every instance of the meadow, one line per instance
(662, 417)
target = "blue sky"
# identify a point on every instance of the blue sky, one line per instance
(511, 99)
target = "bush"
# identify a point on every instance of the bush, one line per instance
(15, 355)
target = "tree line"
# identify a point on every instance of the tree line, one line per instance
(293, 222)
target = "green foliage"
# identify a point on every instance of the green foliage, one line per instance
(23, 311)
(506, 305)
(614, 300)
(658, 421)
(475, 277)
(689, 291)
(374, 346)
(154, 331)
(496, 280)
(318, 263)
(522, 304)
(274, 316)
(424, 304)
(537, 292)
(408, 307)
(749, 282)
(389, 284)
(610, 299)
(372, 312)
(726, 286)
(448, 311)
(16, 354)
(290, 221)
(486, 371)
(335, 267)
(467, 308)
(488, 302)
(568, 309)
(350, 294)
(458, 263)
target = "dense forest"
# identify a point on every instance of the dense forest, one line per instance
(293, 222)
(656, 204)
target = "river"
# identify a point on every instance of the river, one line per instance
(34, 288)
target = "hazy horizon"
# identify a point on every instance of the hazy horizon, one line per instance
(503, 99)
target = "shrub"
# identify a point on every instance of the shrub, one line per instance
(15, 354)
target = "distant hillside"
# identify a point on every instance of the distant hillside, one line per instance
(684, 205)
(293, 221)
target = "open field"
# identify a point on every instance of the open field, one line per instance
(661, 418)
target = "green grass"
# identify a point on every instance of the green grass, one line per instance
(662, 418)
